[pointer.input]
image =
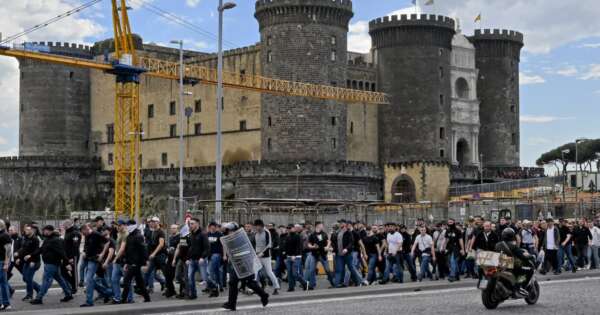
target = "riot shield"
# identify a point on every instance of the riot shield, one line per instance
(241, 254)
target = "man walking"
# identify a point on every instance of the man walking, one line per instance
(29, 248)
(135, 258)
(156, 241)
(93, 247)
(198, 251)
(394, 257)
(53, 254)
(342, 243)
(263, 243)
(293, 263)
(5, 257)
(72, 243)
(318, 242)
(455, 247)
(549, 243)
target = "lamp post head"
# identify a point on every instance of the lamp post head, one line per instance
(566, 151)
(178, 42)
(227, 6)
(581, 140)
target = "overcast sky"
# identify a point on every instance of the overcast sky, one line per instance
(560, 66)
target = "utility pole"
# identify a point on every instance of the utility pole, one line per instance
(180, 118)
(563, 152)
(577, 168)
(219, 159)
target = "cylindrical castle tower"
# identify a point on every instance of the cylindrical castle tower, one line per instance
(497, 58)
(413, 63)
(54, 104)
(304, 41)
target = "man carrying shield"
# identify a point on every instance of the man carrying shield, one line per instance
(242, 264)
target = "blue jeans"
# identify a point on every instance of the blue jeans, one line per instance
(91, 284)
(371, 275)
(310, 270)
(356, 264)
(279, 265)
(151, 274)
(410, 265)
(82, 269)
(214, 271)
(193, 267)
(4, 290)
(341, 263)
(28, 274)
(294, 267)
(566, 250)
(454, 271)
(117, 274)
(425, 260)
(394, 264)
(51, 273)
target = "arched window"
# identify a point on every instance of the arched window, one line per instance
(403, 190)
(462, 152)
(462, 88)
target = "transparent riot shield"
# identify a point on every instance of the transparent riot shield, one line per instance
(241, 254)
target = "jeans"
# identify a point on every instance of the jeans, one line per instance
(356, 264)
(454, 271)
(4, 290)
(268, 270)
(279, 266)
(134, 272)
(410, 264)
(394, 264)
(341, 263)
(151, 273)
(310, 270)
(117, 274)
(214, 271)
(52, 272)
(582, 255)
(294, 267)
(82, 269)
(425, 260)
(372, 262)
(193, 267)
(28, 274)
(91, 284)
(595, 256)
(566, 250)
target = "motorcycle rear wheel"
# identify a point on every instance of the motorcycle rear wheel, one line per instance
(487, 297)
(534, 293)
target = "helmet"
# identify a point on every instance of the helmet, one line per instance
(230, 227)
(508, 235)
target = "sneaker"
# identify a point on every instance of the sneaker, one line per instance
(66, 298)
(276, 292)
(5, 308)
(228, 306)
(27, 298)
(36, 302)
(86, 305)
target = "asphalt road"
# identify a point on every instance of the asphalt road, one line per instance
(576, 296)
(560, 295)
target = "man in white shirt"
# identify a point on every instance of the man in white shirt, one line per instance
(424, 243)
(595, 230)
(549, 244)
(394, 255)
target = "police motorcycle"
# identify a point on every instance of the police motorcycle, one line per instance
(502, 277)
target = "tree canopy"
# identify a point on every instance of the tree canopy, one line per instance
(587, 153)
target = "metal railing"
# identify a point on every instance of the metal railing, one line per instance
(505, 186)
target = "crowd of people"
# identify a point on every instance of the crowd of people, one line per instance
(113, 262)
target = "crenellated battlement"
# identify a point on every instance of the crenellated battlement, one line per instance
(332, 12)
(342, 4)
(498, 34)
(411, 20)
(61, 48)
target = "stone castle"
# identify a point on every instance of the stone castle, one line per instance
(454, 105)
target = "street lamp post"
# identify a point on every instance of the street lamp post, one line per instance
(577, 141)
(180, 118)
(481, 168)
(219, 159)
(563, 152)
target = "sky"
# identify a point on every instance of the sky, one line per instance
(560, 64)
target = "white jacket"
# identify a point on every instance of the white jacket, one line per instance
(595, 236)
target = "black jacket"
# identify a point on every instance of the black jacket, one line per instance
(485, 243)
(94, 244)
(136, 252)
(293, 245)
(30, 247)
(557, 240)
(347, 242)
(53, 250)
(199, 247)
(72, 242)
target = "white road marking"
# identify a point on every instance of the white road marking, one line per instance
(49, 290)
(366, 297)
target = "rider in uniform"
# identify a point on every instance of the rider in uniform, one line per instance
(238, 261)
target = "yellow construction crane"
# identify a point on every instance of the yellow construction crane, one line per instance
(128, 67)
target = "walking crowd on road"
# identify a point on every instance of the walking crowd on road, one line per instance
(112, 263)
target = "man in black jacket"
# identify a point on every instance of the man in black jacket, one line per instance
(93, 247)
(72, 243)
(29, 248)
(293, 263)
(198, 251)
(135, 257)
(342, 244)
(53, 254)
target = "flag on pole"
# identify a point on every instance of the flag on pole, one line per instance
(478, 18)
(430, 2)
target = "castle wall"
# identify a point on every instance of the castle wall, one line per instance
(304, 41)
(431, 180)
(54, 105)
(48, 186)
(412, 55)
(497, 58)
(240, 143)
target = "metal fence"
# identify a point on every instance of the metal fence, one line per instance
(506, 186)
